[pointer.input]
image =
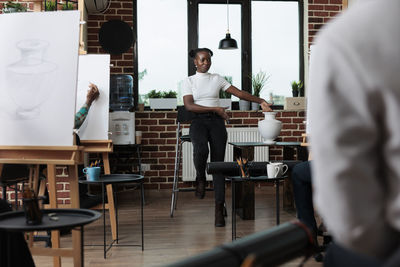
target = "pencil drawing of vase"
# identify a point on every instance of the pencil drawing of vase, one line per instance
(30, 79)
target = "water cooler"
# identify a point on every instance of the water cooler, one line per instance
(122, 127)
(121, 121)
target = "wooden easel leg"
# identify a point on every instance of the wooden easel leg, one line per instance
(74, 186)
(76, 246)
(111, 210)
(35, 179)
(110, 197)
(55, 235)
(106, 163)
(51, 178)
(74, 194)
(42, 187)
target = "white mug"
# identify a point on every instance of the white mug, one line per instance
(272, 170)
(283, 168)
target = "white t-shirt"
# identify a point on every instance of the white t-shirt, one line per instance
(205, 88)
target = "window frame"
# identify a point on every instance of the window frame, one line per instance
(193, 38)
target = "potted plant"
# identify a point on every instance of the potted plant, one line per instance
(67, 6)
(258, 81)
(51, 6)
(11, 7)
(224, 97)
(162, 100)
(297, 88)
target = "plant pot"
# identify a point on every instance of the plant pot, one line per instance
(295, 93)
(301, 92)
(269, 128)
(244, 105)
(225, 102)
(163, 103)
(140, 107)
(255, 106)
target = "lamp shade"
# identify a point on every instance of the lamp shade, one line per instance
(228, 43)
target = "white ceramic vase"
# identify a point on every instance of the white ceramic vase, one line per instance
(269, 128)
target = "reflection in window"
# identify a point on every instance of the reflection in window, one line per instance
(212, 28)
(275, 46)
(162, 45)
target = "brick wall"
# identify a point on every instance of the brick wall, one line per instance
(319, 13)
(119, 10)
(159, 139)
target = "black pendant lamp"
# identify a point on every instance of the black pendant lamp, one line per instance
(227, 43)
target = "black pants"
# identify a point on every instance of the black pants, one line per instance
(302, 188)
(338, 256)
(209, 128)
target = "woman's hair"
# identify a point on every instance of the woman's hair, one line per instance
(193, 52)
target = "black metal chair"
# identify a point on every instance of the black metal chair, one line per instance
(183, 116)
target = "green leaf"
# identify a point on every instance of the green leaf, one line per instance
(258, 81)
(161, 94)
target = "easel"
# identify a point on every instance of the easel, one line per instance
(51, 156)
(104, 147)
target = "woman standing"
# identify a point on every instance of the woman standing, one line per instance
(201, 96)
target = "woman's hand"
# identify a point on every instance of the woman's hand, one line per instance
(92, 94)
(265, 106)
(221, 112)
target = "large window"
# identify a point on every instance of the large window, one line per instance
(268, 32)
(162, 45)
(212, 28)
(275, 46)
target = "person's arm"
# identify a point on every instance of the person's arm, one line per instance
(81, 115)
(92, 94)
(249, 97)
(188, 101)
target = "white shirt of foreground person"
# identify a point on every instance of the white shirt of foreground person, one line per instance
(354, 110)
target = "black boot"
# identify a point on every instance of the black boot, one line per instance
(200, 188)
(219, 214)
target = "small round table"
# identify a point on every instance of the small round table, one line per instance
(238, 179)
(53, 219)
(112, 179)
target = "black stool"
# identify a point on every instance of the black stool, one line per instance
(183, 116)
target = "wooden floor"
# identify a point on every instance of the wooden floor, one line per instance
(167, 240)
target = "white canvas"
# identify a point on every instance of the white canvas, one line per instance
(38, 75)
(94, 69)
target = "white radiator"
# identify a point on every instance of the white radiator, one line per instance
(234, 135)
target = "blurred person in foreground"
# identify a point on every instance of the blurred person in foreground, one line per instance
(354, 107)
